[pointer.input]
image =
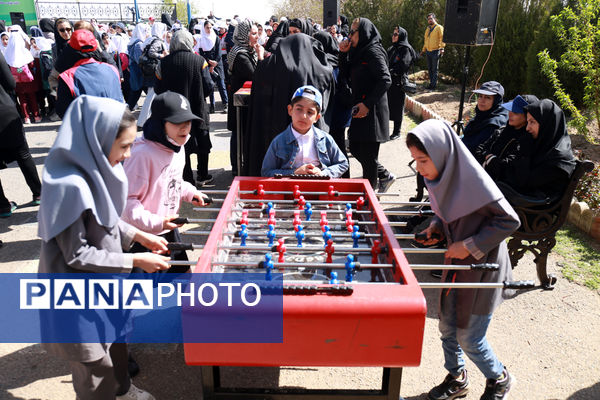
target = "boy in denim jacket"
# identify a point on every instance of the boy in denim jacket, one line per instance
(302, 148)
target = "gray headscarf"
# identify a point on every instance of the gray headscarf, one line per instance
(241, 42)
(182, 40)
(462, 186)
(77, 174)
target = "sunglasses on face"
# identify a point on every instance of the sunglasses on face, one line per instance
(395, 34)
(63, 30)
(352, 32)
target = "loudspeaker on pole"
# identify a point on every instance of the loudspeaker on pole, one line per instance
(471, 22)
(331, 12)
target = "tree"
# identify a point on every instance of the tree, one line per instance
(577, 27)
(300, 9)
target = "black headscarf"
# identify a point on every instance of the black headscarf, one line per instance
(59, 42)
(2, 26)
(303, 25)
(193, 23)
(154, 130)
(282, 31)
(403, 42)
(368, 38)
(70, 56)
(299, 60)
(330, 46)
(553, 144)
(46, 25)
(344, 25)
(495, 117)
(165, 18)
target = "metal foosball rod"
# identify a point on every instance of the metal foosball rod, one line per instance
(255, 192)
(357, 265)
(329, 211)
(309, 248)
(337, 235)
(478, 285)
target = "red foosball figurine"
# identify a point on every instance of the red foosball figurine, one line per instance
(271, 220)
(323, 220)
(375, 251)
(281, 249)
(329, 249)
(297, 221)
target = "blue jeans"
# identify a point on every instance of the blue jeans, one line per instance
(433, 60)
(222, 91)
(471, 341)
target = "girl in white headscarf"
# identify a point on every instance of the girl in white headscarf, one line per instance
(157, 50)
(22, 68)
(4, 41)
(475, 218)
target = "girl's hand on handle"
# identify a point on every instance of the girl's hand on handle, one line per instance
(167, 224)
(156, 244)
(199, 199)
(457, 250)
(150, 262)
(432, 235)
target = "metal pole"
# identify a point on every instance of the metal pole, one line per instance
(459, 124)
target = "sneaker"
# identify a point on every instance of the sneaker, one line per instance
(135, 393)
(207, 180)
(27, 121)
(54, 117)
(451, 388)
(8, 212)
(395, 135)
(497, 389)
(225, 109)
(37, 119)
(384, 184)
(436, 273)
(36, 200)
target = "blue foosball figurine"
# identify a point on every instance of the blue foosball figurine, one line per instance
(348, 207)
(269, 207)
(269, 264)
(300, 235)
(271, 235)
(355, 236)
(350, 264)
(243, 235)
(308, 211)
(334, 279)
(326, 234)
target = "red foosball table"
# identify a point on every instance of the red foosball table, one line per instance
(375, 320)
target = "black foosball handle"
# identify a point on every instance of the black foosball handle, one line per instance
(485, 267)
(180, 220)
(423, 236)
(303, 176)
(177, 246)
(519, 284)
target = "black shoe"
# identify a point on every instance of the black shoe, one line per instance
(451, 388)
(132, 367)
(436, 273)
(384, 184)
(211, 109)
(497, 389)
(207, 180)
(7, 212)
(395, 135)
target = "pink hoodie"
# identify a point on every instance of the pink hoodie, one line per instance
(156, 185)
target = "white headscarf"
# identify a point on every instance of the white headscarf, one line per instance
(77, 174)
(16, 53)
(197, 38)
(207, 40)
(141, 32)
(2, 46)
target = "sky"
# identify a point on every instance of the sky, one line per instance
(259, 10)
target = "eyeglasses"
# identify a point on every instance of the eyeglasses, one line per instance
(63, 30)
(352, 32)
(395, 34)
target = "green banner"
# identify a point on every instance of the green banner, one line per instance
(18, 12)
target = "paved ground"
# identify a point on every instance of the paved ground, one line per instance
(549, 340)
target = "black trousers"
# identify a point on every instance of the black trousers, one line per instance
(23, 157)
(367, 153)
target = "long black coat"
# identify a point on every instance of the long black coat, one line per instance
(400, 59)
(299, 60)
(11, 128)
(186, 73)
(215, 54)
(369, 77)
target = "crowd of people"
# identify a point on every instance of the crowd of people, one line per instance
(309, 85)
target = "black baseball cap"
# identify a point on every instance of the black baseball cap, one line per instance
(491, 88)
(172, 107)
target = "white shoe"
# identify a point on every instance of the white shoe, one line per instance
(136, 393)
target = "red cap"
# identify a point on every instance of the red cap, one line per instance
(150, 18)
(83, 40)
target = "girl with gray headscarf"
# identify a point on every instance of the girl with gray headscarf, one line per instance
(475, 218)
(84, 192)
